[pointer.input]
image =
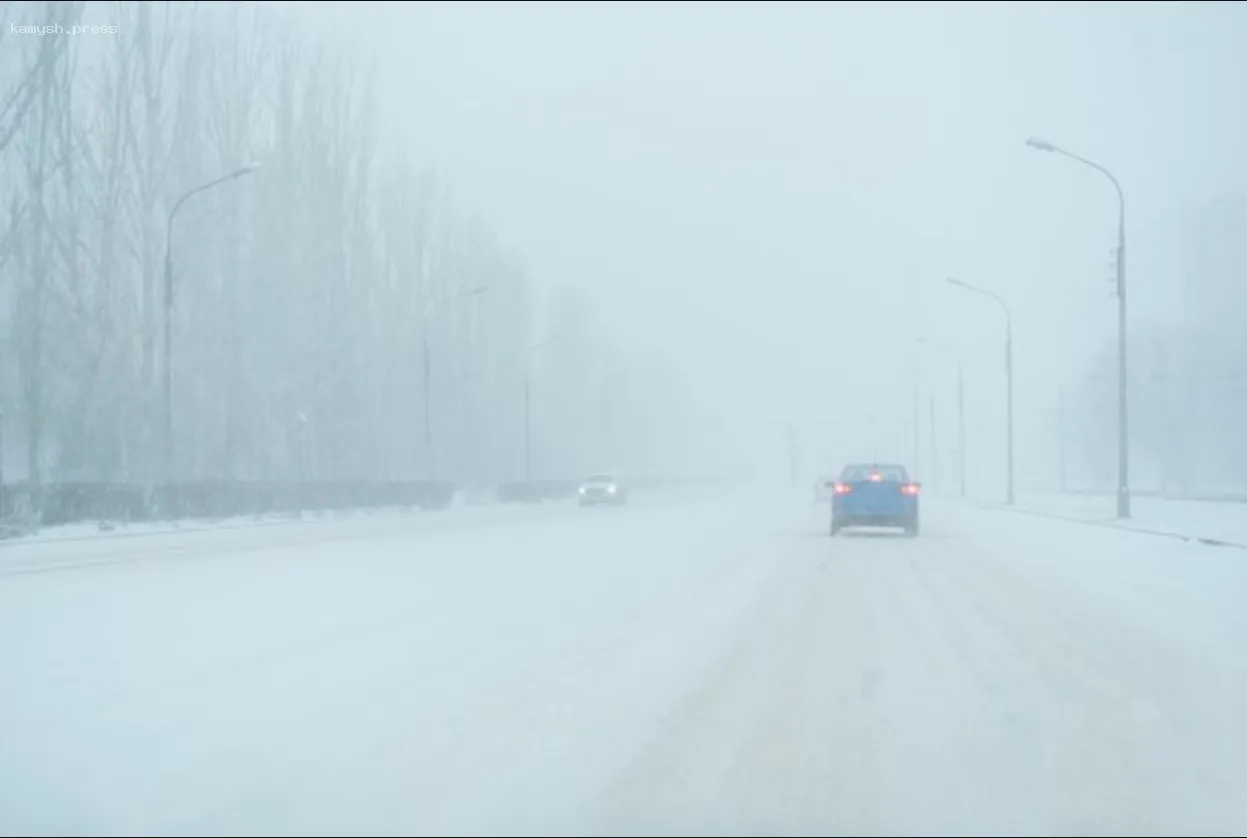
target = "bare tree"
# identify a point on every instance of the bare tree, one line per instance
(223, 338)
(35, 265)
(78, 360)
(309, 299)
(106, 147)
(17, 101)
(154, 27)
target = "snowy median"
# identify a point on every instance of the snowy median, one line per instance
(78, 546)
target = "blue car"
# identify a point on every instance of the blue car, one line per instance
(874, 495)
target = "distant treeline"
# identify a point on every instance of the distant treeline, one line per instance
(78, 502)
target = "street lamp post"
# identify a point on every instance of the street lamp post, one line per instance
(301, 422)
(961, 431)
(427, 318)
(961, 412)
(426, 400)
(1061, 439)
(168, 348)
(3, 505)
(1123, 419)
(1009, 495)
(935, 463)
(528, 436)
(916, 397)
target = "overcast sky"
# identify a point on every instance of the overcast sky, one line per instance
(771, 194)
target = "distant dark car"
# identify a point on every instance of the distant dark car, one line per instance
(602, 489)
(875, 495)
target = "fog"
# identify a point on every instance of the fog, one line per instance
(421, 418)
(735, 219)
(763, 191)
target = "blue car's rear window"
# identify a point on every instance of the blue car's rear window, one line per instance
(889, 473)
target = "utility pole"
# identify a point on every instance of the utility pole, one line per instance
(961, 413)
(528, 375)
(528, 433)
(1008, 378)
(792, 455)
(426, 325)
(961, 429)
(916, 398)
(1009, 384)
(3, 505)
(1061, 438)
(301, 423)
(430, 471)
(934, 448)
(1123, 412)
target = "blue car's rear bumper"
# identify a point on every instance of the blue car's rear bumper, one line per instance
(897, 514)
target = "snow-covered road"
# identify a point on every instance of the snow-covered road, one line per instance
(692, 664)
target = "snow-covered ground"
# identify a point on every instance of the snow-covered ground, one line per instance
(476, 506)
(63, 549)
(115, 528)
(1221, 520)
(693, 664)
